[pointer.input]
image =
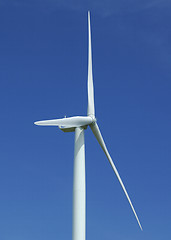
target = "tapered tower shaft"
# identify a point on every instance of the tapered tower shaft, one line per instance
(79, 191)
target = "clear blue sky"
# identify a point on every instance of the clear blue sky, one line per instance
(43, 75)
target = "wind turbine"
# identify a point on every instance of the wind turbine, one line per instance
(78, 124)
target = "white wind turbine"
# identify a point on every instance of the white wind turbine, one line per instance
(79, 124)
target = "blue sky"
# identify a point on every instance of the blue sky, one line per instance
(43, 75)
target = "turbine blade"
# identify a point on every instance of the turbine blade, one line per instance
(90, 109)
(66, 122)
(95, 129)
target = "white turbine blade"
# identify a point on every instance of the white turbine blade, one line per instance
(96, 131)
(90, 109)
(70, 122)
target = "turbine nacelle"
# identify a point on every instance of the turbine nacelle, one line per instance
(71, 129)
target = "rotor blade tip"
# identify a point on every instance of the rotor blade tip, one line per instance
(38, 123)
(139, 223)
(89, 14)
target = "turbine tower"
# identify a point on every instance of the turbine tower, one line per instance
(78, 124)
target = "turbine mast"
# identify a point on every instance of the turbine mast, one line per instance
(79, 189)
